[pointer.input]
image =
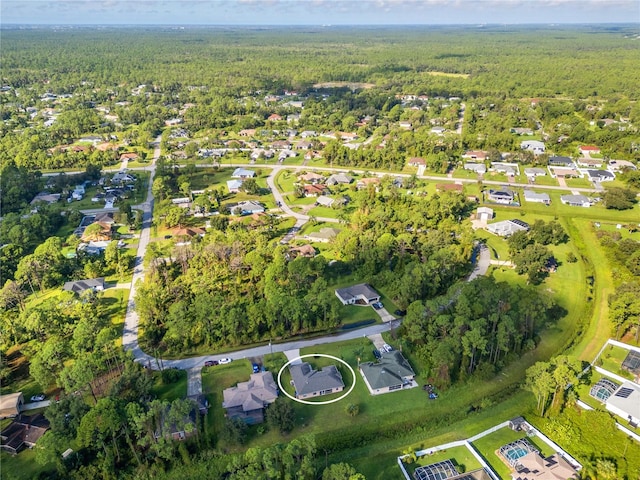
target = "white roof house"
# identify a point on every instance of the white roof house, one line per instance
(625, 402)
(243, 173)
(535, 146)
(507, 228)
(536, 197)
(234, 185)
(576, 200)
(535, 172)
(476, 167)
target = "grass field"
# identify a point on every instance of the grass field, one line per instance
(611, 360)
(461, 457)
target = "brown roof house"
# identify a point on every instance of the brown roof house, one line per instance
(11, 404)
(312, 383)
(23, 432)
(247, 400)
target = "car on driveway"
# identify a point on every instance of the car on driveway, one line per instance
(400, 313)
(38, 398)
(224, 361)
(377, 305)
(210, 363)
(256, 367)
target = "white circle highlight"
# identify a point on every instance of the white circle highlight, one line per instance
(326, 402)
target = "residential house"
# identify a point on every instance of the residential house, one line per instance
(590, 162)
(477, 155)
(339, 178)
(438, 130)
(11, 404)
(79, 286)
(535, 146)
(576, 200)
(562, 172)
(405, 124)
(105, 217)
(184, 234)
(506, 228)
(261, 153)
(625, 403)
(311, 177)
(390, 373)
(600, 175)
(360, 294)
(243, 173)
(234, 185)
(281, 145)
(532, 173)
(121, 178)
(304, 145)
(479, 168)
(45, 197)
(308, 134)
(561, 162)
(534, 466)
(172, 122)
(311, 383)
(314, 190)
(509, 169)
(247, 132)
(247, 207)
(347, 136)
(102, 234)
(274, 117)
(484, 214)
(325, 201)
(589, 149)
(417, 162)
(535, 197)
(247, 400)
(129, 156)
(365, 182)
(621, 165)
(284, 154)
(503, 196)
(24, 431)
(325, 235)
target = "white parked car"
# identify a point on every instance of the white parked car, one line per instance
(224, 361)
(37, 398)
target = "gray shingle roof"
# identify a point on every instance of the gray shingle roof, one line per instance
(307, 380)
(392, 369)
(355, 291)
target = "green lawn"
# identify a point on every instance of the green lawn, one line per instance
(325, 212)
(461, 457)
(579, 183)
(611, 360)
(546, 180)
(23, 466)
(169, 391)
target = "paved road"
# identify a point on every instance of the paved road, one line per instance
(271, 182)
(130, 330)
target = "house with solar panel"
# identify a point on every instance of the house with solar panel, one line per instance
(625, 402)
(506, 228)
(603, 389)
(446, 470)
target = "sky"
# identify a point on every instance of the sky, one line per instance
(317, 12)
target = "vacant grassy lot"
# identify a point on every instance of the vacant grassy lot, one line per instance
(612, 358)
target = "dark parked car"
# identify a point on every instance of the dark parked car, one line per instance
(376, 354)
(256, 367)
(210, 363)
(377, 305)
(400, 313)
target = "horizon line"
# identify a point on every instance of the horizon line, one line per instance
(2, 24)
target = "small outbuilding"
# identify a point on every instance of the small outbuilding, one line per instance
(11, 404)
